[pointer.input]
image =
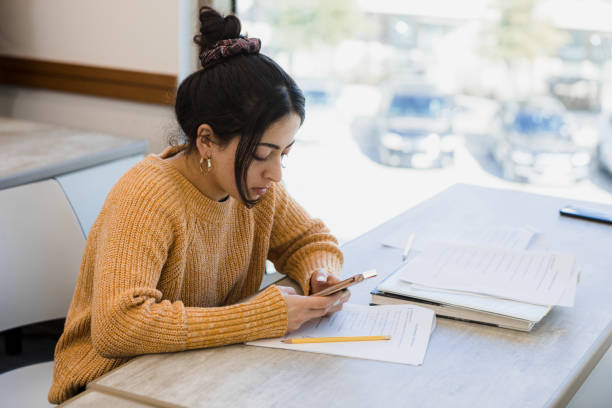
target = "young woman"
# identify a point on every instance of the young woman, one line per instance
(175, 259)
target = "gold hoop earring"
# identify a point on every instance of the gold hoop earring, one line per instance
(208, 168)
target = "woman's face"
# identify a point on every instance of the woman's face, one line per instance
(265, 168)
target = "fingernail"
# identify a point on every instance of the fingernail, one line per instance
(322, 275)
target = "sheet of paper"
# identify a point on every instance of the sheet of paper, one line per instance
(499, 237)
(528, 276)
(409, 327)
(491, 304)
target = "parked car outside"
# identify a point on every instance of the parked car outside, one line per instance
(605, 156)
(319, 92)
(540, 143)
(415, 126)
(321, 109)
(604, 150)
(577, 93)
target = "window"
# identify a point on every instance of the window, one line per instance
(407, 98)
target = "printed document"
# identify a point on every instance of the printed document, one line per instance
(528, 276)
(409, 327)
(491, 304)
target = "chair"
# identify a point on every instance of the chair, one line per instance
(27, 386)
(43, 227)
(41, 245)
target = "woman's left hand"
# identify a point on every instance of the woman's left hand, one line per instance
(321, 279)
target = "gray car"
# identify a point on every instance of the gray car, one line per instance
(415, 127)
(604, 151)
(540, 143)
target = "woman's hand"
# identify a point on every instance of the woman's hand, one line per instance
(300, 309)
(320, 280)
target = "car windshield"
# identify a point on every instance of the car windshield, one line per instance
(410, 105)
(534, 122)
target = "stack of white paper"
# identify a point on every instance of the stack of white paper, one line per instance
(535, 277)
(468, 301)
(481, 274)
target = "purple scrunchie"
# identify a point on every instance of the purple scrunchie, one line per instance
(227, 48)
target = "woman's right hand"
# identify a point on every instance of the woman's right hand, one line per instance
(300, 309)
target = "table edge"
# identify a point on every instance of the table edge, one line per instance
(566, 391)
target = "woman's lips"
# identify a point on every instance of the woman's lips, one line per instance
(260, 190)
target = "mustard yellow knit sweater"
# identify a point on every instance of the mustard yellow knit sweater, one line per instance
(166, 269)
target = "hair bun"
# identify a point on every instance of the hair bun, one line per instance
(214, 27)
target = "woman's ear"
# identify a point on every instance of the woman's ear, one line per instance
(205, 140)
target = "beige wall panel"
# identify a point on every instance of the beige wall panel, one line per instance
(139, 35)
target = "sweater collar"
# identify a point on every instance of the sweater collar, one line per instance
(204, 207)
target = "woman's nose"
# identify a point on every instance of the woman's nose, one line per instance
(275, 171)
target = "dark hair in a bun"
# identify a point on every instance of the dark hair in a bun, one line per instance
(240, 95)
(214, 27)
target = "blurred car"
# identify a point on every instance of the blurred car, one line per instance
(319, 93)
(577, 93)
(540, 143)
(605, 156)
(604, 153)
(415, 127)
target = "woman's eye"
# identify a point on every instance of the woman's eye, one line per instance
(261, 156)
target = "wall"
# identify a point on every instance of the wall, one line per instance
(140, 35)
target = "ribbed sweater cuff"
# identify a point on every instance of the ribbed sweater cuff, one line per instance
(265, 315)
(313, 263)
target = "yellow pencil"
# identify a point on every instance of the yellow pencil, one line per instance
(334, 339)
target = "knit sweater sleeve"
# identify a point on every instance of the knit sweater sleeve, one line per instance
(130, 315)
(299, 244)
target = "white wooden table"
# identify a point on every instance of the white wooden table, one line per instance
(467, 365)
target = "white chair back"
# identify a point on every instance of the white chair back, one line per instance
(41, 245)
